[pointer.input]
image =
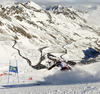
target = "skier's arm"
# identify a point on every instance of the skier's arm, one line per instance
(51, 67)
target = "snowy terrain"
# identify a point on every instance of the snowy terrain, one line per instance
(28, 33)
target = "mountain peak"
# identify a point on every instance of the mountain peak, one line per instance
(32, 4)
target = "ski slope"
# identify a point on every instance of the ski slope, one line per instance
(88, 88)
(82, 80)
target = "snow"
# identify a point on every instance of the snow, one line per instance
(32, 4)
(59, 34)
(47, 89)
(82, 80)
(92, 15)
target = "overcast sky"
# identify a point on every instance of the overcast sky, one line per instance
(43, 1)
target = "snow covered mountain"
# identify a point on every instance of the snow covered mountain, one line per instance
(28, 33)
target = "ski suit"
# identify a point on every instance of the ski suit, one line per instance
(62, 64)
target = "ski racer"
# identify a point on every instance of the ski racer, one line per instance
(62, 64)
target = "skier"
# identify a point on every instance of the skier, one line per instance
(62, 64)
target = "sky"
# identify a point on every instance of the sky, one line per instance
(84, 0)
(3, 2)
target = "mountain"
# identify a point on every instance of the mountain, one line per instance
(28, 33)
(93, 16)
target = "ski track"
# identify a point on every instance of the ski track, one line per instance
(89, 88)
(59, 83)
